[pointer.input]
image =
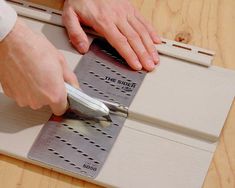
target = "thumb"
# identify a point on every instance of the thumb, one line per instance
(69, 75)
(59, 103)
(76, 34)
(70, 78)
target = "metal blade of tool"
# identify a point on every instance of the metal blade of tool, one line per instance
(78, 145)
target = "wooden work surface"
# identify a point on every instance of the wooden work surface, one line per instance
(205, 23)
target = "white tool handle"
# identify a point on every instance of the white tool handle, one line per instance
(84, 104)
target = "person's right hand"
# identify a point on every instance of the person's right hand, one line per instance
(120, 23)
(32, 71)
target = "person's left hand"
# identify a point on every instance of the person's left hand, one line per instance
(120, 23)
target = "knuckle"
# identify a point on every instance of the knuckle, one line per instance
(74, 37)
(65, 16)
(120, 13)
(122, 40)
(77, 37)
(7, 92)
(142, 29)
(133, 37)
(35, 106)
(71, 76)
(20, 103)
(100, 17)
(80, 35)
(102, 20)
(5, 88)
(61, 57)
(136, 12)
(152, 49)
(57, 98)
(152, 32)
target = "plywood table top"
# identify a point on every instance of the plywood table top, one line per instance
(205, 23)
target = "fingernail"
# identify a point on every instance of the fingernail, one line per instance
(157, 39)
(76, 85)
(138, 65)
(151, 64)
(82, 47)
(155, 57)
(158, 64)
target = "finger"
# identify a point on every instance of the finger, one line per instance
(137, 45)
(21, 92)
(35, 106)
(76, 34)
(6, 90)
(34, 102)
(21, 97)
(17, 94)
(145, 37)
(59, 103)
(56, 96)
(149, 27)
(120, 43)
(21, 101)
(68, 75)
(5, 87)
(20, 104)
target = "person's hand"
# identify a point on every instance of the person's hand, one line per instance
(32, 71)
(120, 23)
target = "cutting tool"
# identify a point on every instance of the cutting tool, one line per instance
(91, 108)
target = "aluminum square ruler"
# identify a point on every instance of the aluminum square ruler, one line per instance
(78, 145)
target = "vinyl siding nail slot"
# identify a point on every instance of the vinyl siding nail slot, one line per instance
(183, 47)
(205, 53)
(37, 8)
(16, 2)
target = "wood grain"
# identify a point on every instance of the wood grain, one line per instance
(205, 23)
